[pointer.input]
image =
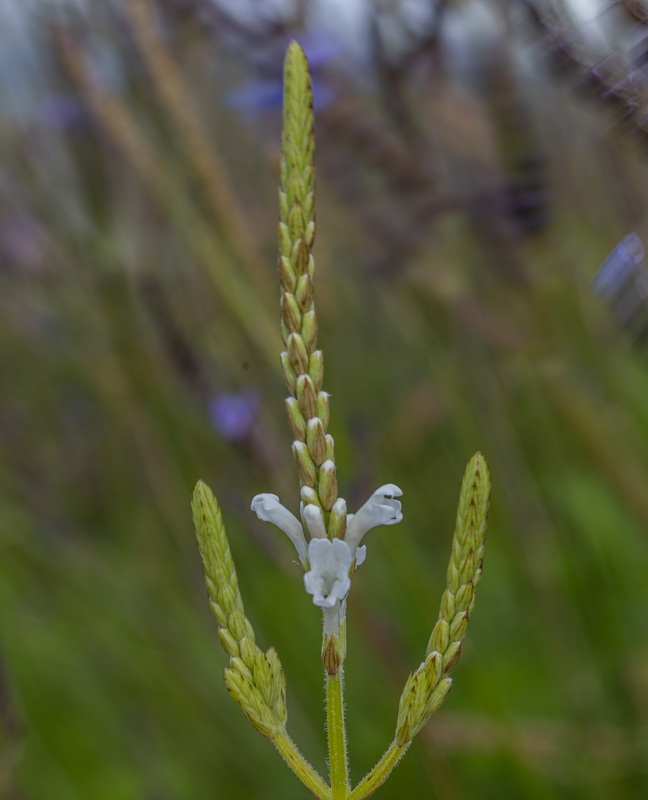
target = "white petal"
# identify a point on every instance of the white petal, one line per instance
(360, 554)
(332, 618)
(268, 508)
(380, 509)
(328, 579)
(315, 521)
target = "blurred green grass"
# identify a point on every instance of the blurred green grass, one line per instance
(117, 331)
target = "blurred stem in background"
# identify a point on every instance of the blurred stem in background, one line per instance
(120, 126)
(175, 96)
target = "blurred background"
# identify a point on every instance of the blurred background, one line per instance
(482, 202)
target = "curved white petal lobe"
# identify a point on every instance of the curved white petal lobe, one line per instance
(268, 508)
(380, 509)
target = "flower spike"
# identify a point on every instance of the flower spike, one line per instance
(327, 538)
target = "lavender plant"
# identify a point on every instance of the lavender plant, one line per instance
(327, 538)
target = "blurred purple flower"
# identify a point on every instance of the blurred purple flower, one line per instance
(618, 266)
(21, 240)
(62, 112)
(233, 414)
(266, 92)
(622, 279)
(320, 48)
(256, 97)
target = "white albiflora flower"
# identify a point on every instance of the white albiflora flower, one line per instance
(328, 580)
(330, 560)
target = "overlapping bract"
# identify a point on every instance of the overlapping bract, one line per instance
(428, 686)
(254, 679)
(301, 362)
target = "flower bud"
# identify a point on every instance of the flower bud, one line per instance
(440, 638)
(330, 447)
(288, 372)
(249, 652)
(438, 696)
(323, 411)
(309, 236)
(316, 440)
(309, 496)
(229, 643)
(299, 257)
(447, 608)
(316, 369)
(286, 274)
(304, 291)
(463, 598)
(305, 466)
(328, 487)
(337, 519)
(296, 419)
(296, 222)
(290, 314)
(297, 354)
(331, 656)
(459, 626)
(306, 397)
(285, 243)
(451, 656)
(284, 205)
(309, 330)
(309, 199)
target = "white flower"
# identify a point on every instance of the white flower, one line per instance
(328, 580)
(268, 508)
(330, 559)
(380, 509)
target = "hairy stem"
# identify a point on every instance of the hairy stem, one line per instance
(338, 766)
(302, 769)
(379, 774)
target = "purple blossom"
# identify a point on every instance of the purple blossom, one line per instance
(256, 97)
(233, 414)
(622, 279)
(62, 112)
(618, 266)
(21, 240)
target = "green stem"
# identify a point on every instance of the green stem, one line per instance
(379, 774)
(302, 769)
(338, 766)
